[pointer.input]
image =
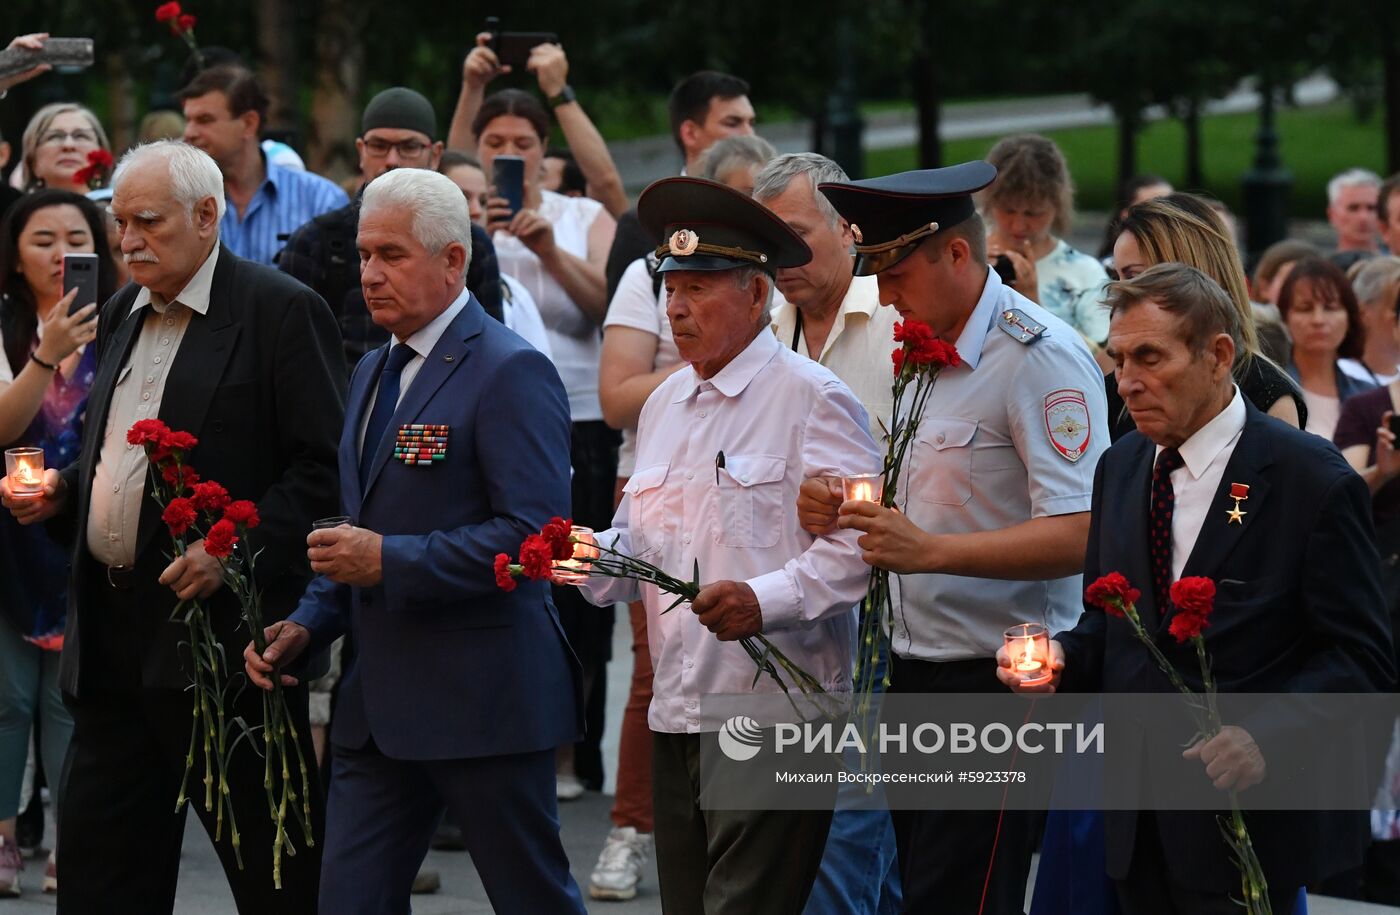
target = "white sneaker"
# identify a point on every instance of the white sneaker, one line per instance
(568, 787)
(619, 867)
(11, 865)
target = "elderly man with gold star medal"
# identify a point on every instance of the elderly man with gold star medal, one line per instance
(995, 502)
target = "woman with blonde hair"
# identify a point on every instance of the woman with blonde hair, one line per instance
(1029, 209)
(56, 144)
(1184, 229)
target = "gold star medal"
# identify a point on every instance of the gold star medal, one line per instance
(1239, 492)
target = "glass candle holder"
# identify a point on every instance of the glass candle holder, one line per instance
(864, 487)
(1028, 646)
(25, 468)
(574, 570)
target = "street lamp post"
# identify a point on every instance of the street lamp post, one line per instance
(1267, 184)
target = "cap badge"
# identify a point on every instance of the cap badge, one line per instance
(684, 242)
(856, 233)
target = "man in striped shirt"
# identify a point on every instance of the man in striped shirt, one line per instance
(225, 110)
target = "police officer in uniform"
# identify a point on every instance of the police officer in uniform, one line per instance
(996, 495)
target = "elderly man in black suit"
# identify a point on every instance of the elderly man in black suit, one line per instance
(249, 361)
(1282, 524)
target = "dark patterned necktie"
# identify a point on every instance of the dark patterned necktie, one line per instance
(1160, 526)
(384, 404)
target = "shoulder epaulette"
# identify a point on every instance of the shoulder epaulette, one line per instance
(1019, 326)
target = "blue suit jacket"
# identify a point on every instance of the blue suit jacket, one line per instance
(1298, 609)
(447, 665)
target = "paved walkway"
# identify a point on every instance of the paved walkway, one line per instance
(584, 825)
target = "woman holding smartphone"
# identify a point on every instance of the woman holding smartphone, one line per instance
(46, 371)
(557, 247)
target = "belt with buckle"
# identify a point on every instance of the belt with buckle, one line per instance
(119, 577)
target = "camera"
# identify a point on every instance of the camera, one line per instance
(1005, 269)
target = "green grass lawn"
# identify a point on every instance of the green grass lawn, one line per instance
(1315, 144)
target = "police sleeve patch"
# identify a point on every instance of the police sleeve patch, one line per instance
(1067, 423)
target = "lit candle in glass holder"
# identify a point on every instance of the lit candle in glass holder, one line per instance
(864, 487)
(574, 570)
(25, 468)
(1028, 646)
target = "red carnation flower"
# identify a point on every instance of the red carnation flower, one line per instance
(209, 496)
(220, 539)
(557, 533)
(167, 12)
(184, 23)
(147, 432)
(242, 513)
(1194, 599)
(536, 557)
(1111, 593)
(179, 515)
(180, 477)
(179, 441)
(897, 357)
(504, 580)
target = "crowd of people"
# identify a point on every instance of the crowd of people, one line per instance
(591, 360)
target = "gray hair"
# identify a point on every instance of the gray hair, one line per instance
(1352, 177)
(193, 174)
(743, 276)
(752, 151)
(775, 177)
(1202, 306)
(440, 215)
(1374, 278)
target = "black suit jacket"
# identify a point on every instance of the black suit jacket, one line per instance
(259, 380)
(1298, 610)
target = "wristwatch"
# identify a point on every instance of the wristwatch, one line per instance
(565, 96)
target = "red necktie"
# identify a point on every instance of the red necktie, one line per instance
(1160, 522)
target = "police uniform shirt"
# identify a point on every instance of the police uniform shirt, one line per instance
(1012, 434)
(779, 418)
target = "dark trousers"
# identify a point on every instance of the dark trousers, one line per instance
(727, 862)
(593, 454)
(120, 834)
(382, 814)
(1151, 889)
(972, 861)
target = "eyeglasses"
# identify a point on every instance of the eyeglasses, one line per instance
(379, 148)
(58, 137)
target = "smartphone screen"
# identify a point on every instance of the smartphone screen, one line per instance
(80, 272)
(508, 175)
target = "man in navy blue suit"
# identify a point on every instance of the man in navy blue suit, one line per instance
(1282, 524)
(459, 692)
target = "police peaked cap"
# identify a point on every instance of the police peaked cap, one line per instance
(893, 215)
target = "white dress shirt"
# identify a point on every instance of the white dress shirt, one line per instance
(780, 419)
(422, 343)
(857, 349)
(1204, 456)
(119, 480)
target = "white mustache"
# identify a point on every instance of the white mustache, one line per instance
(140, 257)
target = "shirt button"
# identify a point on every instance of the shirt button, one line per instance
(702, 414)
(150, 379)
(689, 665)
(112, 537)
(685, 539)
(146, 396)
(117, 488)
(690, 476)
(156, 360)
(169, 322)
(942, 438)
(164, 341)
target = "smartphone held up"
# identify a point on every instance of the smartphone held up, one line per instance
(80, 273)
